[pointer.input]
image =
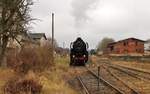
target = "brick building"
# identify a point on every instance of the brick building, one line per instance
(126, 46)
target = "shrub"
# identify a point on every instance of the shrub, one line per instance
(37, 59)
(23, 86)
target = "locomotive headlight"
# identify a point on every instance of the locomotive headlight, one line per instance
(84, 55)
(73, 56)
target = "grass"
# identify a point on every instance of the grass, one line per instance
(53, 81)
(5, 75)
(33, 67)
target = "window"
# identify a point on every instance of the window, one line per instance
(125, 43)
(112, 48)
(136, 50)
(136, 43)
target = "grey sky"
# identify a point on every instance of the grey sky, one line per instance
(93, 19)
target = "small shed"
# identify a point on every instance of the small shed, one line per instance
(38, 38)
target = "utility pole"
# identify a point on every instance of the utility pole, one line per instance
(63, 48)
(64, 45)
(53, 37)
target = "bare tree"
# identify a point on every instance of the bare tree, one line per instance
(103, 44)
(14, 21)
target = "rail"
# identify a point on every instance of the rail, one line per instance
(133, 91)
(83, 85)
(106, 82)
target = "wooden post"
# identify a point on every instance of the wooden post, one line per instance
(98, 78)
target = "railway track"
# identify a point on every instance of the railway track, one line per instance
(115, 80)
(136, 72)
(89, 82)
(112, 78)
(86, 91)
(135, 78)
(135, 81)
(132, 72)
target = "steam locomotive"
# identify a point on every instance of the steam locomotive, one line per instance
(78, 52)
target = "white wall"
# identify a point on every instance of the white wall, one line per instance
(42, 41)
(147, 46)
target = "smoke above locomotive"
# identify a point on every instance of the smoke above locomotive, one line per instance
(78, 52)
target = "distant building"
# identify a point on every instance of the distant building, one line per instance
(27, 40)
(19, 42)
(15, 43)
(147, 45)
(126, 46)
(39, 38)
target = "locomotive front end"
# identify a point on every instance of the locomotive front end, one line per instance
(78, 52)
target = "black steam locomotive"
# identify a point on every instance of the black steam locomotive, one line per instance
(78, 52)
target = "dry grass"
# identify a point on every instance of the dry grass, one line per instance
(5, 75)
(28, 84)
(52, 81)
(32, 70)
(37, 59)
(55, 82)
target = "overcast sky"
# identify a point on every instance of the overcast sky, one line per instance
(93, 19)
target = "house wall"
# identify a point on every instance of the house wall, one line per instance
(127, 47)
(25, 42)
(147, 46)
(42, 41)
(13, 43)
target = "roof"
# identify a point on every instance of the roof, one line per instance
(37, 35)
(126, 40)
(148, 41)
(132, 39)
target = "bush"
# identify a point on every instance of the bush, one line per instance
(23, 86)
(37, 59)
